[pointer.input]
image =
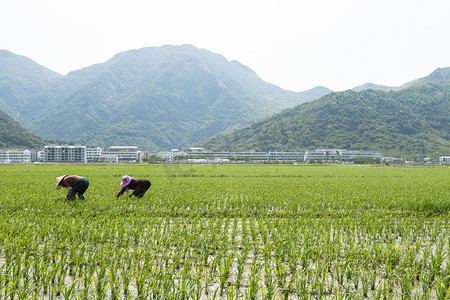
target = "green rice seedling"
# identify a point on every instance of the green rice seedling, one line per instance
(340, 272)
(196, 286)
(365, 282)
(341, 295)
(283, 281)
(215, 262)
(406, 287)
(305, 258)
(231, 292)
(225, 270)
(442, 286)
(294, 256)
(241, 261)
(436, 260)
(140, 279)
(126, 277)
(168, 286)
(100, 282)
(270, 284)
(88, 273)
(301, 286)
(69, 291)
(254, 279)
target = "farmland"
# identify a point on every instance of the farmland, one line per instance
(234, 232)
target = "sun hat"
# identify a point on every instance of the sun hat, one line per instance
(126, 180)
(59, 179)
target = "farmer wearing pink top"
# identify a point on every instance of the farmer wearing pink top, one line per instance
(140, 186)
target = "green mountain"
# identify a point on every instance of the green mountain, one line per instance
(410, 122)
(156, 98)
(20, 78)
(372, 86)
(12, 135)
(438, 75)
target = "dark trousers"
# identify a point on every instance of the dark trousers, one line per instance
(79, 189)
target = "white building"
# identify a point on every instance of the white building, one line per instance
(444, 159)
(109, 158)
(341, 154)
(65, 153)
(130, 154)
(93, 153)
(37, 156)
(15, 156)
(286, 156)
(315, 155)
(200, 153)
(350, 155)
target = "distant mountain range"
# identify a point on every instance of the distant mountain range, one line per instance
(414, 121)
(160, 98)
(156, 98)
(438, 75)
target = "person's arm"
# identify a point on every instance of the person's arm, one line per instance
(66, 184)
(69, 188)
(121, 192)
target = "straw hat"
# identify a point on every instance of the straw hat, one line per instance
(59, 179)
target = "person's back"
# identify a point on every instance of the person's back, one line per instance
(140, 186)
(75, 185)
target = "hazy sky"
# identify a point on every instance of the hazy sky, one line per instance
(294, 44)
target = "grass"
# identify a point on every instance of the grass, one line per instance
(237, 232)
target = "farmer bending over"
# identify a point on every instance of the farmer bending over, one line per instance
(140, 186)
(75, 185)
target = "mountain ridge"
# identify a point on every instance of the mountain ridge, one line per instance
(413, 121)
(155, 97)
(166, 97)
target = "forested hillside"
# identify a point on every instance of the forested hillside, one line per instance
(409, 122)
(12, 135)
(166, 97)
(156, 98)
(20, 79)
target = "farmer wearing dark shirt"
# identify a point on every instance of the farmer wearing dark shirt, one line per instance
(140, 186)
(75, 185)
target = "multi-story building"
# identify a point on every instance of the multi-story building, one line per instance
(93, 153)
(196, 153)
(350, 155)
(340, 154)
(130, 154)
(315, 155)
(37, 156)
(444, 159)
(286, 156)
(199, 153)
(65, 153)
(15, 156)
(109, 158)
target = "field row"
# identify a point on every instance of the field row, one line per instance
(240, 232)
(202, 257)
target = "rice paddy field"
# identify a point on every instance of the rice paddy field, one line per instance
(227, 232)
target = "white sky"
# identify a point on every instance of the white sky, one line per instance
(295, 44)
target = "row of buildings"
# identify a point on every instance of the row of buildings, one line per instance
(132, 154)
(203, 155)
(77, 153)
